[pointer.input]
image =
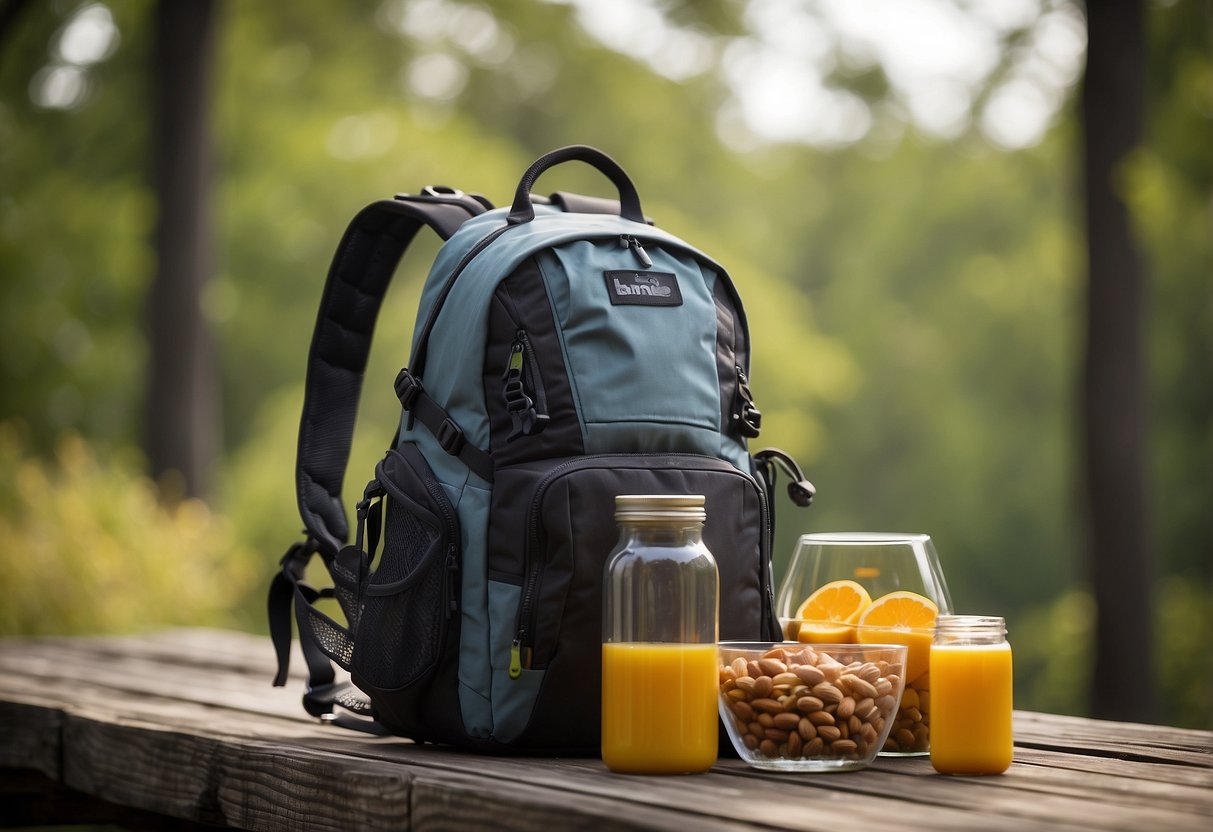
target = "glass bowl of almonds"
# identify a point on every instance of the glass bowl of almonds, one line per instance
(789, 706)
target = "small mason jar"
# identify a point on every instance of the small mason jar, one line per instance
(659, 669)
(971, 695)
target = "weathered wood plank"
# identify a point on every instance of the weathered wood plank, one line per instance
(454, 802)
(142, 676)
(1129, 741)
(186, 724)
(1092, 768)
(28, 798)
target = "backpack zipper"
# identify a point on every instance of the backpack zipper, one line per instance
(523, 630)
(630, 241)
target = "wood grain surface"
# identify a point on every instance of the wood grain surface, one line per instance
(185, 725)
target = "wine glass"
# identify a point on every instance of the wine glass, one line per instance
(895, 571)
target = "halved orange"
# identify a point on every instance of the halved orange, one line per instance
(902, 618)
(830, 613)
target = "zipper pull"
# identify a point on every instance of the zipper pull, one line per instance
(629, 241)
(515, 362)
(528, 415)
(516, 659)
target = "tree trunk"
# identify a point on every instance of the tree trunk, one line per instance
(182, 415)
(1114, 385)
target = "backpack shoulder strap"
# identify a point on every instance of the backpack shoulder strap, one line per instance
(362, 268)
(358, 278)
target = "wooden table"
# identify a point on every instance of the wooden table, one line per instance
(183, 728)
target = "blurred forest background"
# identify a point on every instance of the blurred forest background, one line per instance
(896, 187)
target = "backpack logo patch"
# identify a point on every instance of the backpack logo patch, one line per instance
(643, 288)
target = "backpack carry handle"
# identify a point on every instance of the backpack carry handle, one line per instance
(523, 211)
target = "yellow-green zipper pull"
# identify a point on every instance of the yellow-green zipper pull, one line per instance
(515, 659)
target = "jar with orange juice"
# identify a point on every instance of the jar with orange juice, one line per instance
(971, 674)
(659, 669)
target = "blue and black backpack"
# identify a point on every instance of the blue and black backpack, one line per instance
(565, 351)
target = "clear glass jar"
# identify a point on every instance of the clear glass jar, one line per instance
(659, 669)
(971, 695)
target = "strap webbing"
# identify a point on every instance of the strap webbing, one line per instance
(359, 276)
(428, 412)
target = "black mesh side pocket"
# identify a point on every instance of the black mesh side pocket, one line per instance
(409, 597)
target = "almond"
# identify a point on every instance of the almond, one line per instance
(772, 667)
(827, 693)
(858, 686)
(843, 747)
(785, 679)
(809, 675)
(777, 735)
(795, 744)
(808, 704)
(769, 706)
(786, 721)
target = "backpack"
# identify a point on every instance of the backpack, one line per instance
(565, 351)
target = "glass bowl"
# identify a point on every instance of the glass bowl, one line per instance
(793, 707)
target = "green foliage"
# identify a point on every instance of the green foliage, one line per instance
(1053, 653)
(1184, 663)
(75, 229)
(1052, 644)
(92, 547)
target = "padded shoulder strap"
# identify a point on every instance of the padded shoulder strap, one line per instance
(359, 276)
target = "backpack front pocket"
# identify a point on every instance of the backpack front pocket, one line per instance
(551, 529)
(408, 600)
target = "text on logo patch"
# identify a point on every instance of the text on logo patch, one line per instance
(643, 288)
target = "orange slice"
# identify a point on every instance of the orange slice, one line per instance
(818, 632)
(829, 614)
(902, 618)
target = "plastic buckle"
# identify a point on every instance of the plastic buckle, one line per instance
(407, 387)
(516, 399)
(450, 437)
(751, 421)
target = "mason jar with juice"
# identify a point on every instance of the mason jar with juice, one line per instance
(971, 666)
(659, 670)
